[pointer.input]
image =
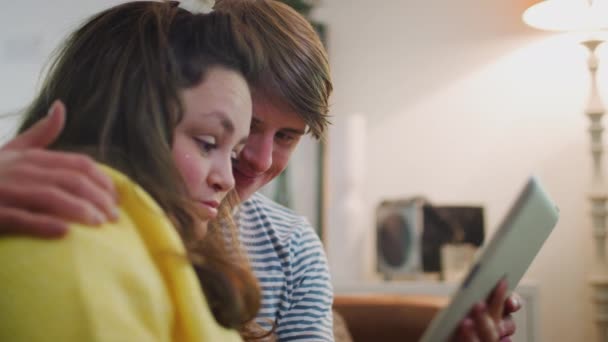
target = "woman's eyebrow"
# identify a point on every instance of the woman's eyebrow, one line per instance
(225, 122)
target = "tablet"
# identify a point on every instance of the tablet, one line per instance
(508, 255)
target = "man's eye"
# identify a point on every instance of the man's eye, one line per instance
(285, 138)
(236, 153)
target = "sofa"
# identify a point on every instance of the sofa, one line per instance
(383, 317)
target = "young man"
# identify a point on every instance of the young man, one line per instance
(290, 99)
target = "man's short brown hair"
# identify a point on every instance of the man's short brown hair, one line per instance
(297, 67)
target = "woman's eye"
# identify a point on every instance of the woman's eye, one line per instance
(206, 143)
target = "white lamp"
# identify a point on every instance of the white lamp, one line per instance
(568, 15)
(588, 17)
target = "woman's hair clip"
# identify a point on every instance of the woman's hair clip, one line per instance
(197, 6)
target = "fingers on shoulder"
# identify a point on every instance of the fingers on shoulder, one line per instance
(15, 221)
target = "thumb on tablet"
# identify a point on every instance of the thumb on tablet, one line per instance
(496, 300)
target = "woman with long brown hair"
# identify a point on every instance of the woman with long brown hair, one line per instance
(160, 96)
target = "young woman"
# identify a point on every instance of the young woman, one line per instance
(160, 96)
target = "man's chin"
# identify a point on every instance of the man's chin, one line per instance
(245, 186)
(244, 193)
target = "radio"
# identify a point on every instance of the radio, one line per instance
(411, 234)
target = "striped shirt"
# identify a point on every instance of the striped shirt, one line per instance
(287, 257)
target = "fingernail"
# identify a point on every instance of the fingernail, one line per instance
(501, 329)
(114, 193)
(115, 214)
(514, 301)
(59, 229)
(99, 218)
(50, 109)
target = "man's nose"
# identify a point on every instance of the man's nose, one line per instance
(257, 153)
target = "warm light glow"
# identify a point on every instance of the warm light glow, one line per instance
(568, 15)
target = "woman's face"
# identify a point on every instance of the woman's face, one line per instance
(213, 131)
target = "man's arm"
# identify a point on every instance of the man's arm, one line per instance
(309, 316)
(40, 190)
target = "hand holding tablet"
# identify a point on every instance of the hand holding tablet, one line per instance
(507, 256)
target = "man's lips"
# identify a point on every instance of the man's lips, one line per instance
(242, 174)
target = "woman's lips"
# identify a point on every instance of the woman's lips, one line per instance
(212, 204)
(210, 208)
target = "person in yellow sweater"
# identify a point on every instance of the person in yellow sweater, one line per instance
(160, 97)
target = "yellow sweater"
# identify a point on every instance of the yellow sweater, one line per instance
(126, 281)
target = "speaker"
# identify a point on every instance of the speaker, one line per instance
(399, 237)
(410, 234)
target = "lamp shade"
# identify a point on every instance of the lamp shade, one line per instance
(568, 15)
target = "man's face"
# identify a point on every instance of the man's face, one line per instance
(275, 131)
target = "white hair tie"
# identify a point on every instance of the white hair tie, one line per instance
(197, 6)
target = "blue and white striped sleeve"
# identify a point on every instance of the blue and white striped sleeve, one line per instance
(309, 315)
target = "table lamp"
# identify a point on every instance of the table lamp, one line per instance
(588, 18)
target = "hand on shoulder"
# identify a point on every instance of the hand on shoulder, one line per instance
(41, 190)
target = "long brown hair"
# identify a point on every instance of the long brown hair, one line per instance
(120, 75)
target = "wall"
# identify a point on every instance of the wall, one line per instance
(29, 32)
(463, 102)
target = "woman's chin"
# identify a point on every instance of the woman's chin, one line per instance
(201, 229)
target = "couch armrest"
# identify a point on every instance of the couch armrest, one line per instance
(379, 317)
